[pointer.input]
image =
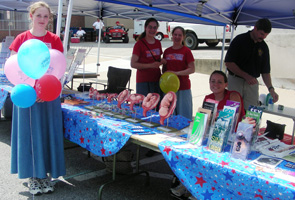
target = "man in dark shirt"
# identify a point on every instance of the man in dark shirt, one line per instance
(247, 58)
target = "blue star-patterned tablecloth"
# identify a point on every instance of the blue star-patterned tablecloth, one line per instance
(5, 87)
(209, 175)
(104, 135)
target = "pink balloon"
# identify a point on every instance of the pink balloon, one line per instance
(14, 74)
(58, 64)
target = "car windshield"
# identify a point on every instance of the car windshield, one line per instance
(118, 27)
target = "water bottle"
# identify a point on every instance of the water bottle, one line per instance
(270, 103)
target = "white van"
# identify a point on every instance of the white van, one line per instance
(209, 34)
(139, 28)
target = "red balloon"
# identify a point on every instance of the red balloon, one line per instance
(48, 88)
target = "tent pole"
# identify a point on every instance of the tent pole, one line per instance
(98, 42)
(59, 17)
(67, 28)
(222, 51)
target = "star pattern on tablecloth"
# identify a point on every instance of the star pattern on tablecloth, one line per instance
(224, 163)
(216, 176)
(207, 195)
(173, 163)
(228, 176)
(167, 150)
(200, 181)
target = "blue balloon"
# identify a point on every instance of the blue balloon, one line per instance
(33, 58)
(23, 95)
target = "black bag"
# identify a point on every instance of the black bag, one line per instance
(86, 86)
(275, 130)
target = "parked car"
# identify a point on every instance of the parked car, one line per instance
(116, 33)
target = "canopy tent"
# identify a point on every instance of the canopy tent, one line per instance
(220, 12)
(236, 12)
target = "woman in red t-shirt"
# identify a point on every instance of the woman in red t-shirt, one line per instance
(37, 132)
(218, 84)
(146, 58)
(180, 60)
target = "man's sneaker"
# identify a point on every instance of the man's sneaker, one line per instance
(35, 187)
(179, 190)
(95, 40)
(46, 185)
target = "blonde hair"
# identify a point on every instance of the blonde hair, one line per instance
(33, 7)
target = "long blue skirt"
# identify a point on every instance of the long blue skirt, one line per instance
(37, 141)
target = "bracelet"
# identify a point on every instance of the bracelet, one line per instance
(271, 87)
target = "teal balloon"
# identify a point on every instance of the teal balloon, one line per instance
(23, 95)
(33, 58)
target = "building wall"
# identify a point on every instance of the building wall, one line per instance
(78, 21)
(4, 33)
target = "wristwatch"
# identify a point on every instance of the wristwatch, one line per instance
(269, 88)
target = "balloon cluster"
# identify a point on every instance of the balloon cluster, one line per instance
(35, 71)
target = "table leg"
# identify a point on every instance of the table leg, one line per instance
(293, 131)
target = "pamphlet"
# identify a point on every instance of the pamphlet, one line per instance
(218, 138)
(208, 112)
(256, 109)
(232, 124)
(210, 104)
(278, 149)
(267, 161)
(262, 141)
(198, 131)
(236, 105)
(253, 118)
(290, 157)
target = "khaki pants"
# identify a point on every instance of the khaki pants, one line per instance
(248, 92)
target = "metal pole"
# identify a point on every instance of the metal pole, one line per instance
(68, 24)
(222, 51)
(59, 17)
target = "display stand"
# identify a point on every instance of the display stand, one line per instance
(133, 120)
(120, 116)
(166, 128)
(149, 124)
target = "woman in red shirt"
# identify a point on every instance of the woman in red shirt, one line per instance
(37, 132)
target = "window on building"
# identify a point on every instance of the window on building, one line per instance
(12, 20)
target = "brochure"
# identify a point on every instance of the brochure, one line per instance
(211, 104)
(218, 138)
(267, 161)
(262, 141)
(290, 157)
(278, 149)
(233, 111)
(198, 131)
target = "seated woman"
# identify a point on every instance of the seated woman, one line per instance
(218, 84)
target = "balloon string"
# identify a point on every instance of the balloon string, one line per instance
(33, 158)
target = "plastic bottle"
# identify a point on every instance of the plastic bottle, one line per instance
(270, 102)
